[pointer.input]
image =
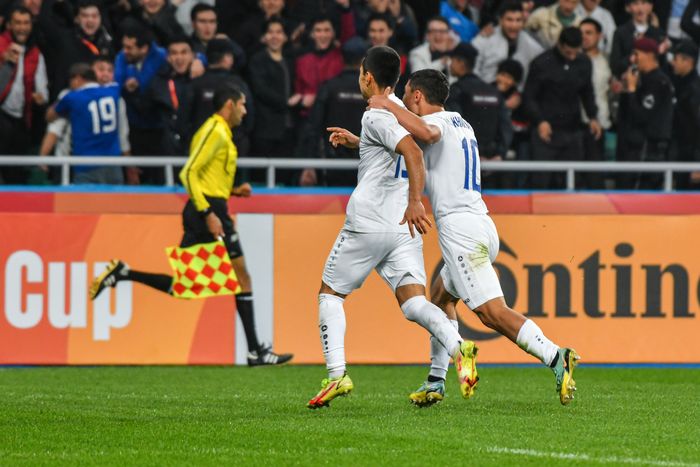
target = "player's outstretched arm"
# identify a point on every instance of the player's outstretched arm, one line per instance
(415, 125)
(343, 137)
(415, 215)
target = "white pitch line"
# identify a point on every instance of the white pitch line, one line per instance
(586, 457)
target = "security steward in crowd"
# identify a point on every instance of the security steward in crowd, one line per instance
(685, 143)
(482, 106)
(646, 115)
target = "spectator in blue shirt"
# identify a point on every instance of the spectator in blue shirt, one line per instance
(95, 117)
(135, 67)
(455, 12)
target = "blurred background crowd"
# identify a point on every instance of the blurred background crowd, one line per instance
(566, 81)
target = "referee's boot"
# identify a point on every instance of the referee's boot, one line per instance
(265, 356)
(116, 271)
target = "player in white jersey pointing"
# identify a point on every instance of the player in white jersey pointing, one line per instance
(388, 195)
(468, 238)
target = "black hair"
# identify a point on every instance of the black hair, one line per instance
(511, 67)
(217, 49)
(382, 17)
(571, 37)
(432, 83)
(507, 7)
(385, 65)
(82, 70)
(199, 8)
(274, 20)
(225, 93)
(322, 19)
(142, 35)
(18, 9)
(596, 24)
(180, 39)
(82, 4)
(442, 19)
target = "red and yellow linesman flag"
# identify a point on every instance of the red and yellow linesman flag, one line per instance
(202, 270)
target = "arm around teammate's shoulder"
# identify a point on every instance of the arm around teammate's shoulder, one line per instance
(419, 128)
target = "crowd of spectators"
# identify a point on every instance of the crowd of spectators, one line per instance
(567, 81)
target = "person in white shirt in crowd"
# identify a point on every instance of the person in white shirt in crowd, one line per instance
(508, 40)
(434, 52)
(592, 9)
(594, 149)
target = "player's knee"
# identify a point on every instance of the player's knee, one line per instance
(411, 307)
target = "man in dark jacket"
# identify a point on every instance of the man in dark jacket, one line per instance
(646, 115)
(134, 69)
(685, 146)
(339, 102)
(219, 72)
(559, 82)
(204, 29)
(71, 37)
(158, 16)
(272, 82)
(482, 106)
(170, 94)
(639, 25)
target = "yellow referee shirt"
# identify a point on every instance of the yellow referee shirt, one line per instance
(211, 167)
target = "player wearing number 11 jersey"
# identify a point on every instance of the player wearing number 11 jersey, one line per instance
(388, 195)
(468, 238)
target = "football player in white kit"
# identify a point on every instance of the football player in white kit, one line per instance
(468, 238)
(388, 195)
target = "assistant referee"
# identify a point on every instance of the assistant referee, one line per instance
(208, 178)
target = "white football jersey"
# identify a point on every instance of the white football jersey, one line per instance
(453, 178)
(379, 201)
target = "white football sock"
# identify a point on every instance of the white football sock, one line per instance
(439, 357)
(331, 324)
(432, 318)
(533, 341)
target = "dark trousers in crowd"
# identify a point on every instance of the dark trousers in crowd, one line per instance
(283, 148)
(679, 152)
(493, 180)
(565, 145)
(650, 151)
(147, 142)
(14, 141)
(593, 150)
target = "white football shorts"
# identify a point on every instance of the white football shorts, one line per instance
(469, 244)
(397, 258)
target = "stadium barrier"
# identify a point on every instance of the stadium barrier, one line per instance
(619, 288)
(668, 169)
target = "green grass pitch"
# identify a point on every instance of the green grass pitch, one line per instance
(241, 416)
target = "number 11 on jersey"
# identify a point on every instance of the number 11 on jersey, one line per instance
(472, 166)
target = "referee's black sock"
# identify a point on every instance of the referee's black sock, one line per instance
(161, 282)
(244, 304)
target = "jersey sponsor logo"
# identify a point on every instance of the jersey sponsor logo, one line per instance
(56, 292)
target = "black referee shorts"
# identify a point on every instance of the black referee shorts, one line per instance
(196, 230)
